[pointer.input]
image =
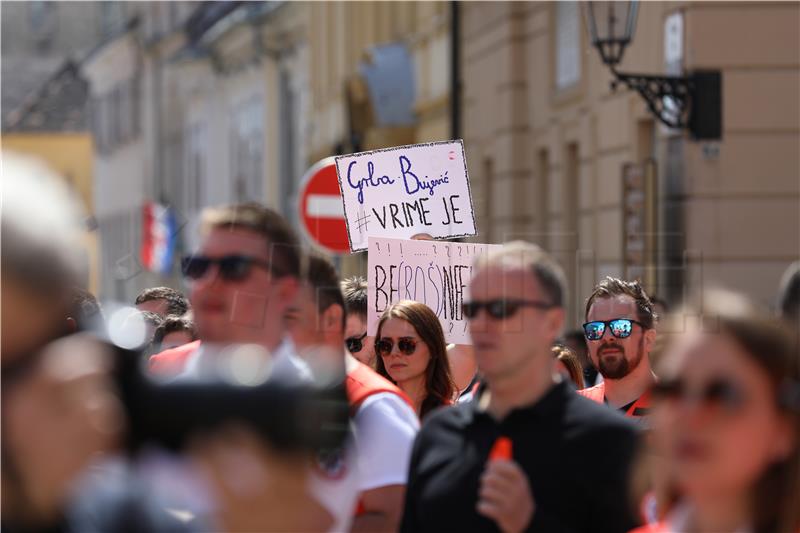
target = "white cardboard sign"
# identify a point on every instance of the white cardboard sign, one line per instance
(404, 191)
(435, 273)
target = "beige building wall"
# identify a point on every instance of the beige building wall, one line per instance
(743, 207)
(546, 158)
(340, 35)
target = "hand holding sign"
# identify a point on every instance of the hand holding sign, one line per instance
(403, 191)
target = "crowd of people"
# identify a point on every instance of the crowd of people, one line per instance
(641, 420)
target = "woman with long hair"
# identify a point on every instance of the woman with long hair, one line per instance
(412, 354)
(568, 365)
(726, 423)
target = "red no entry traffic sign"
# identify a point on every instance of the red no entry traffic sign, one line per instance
(321, 208)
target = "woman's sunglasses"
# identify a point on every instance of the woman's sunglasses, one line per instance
(621, 328)
(231, 267)
(499, 309)
(406, 345)
(716, 393)
(355, 344)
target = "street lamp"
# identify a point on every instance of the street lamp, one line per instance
(690, 102)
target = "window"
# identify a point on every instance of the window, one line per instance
(96, 117)
(568, 44)
(247, 150)
(136, 104)
(195, 165)
(43, 18)
(112, 18)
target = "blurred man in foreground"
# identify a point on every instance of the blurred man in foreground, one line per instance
(60, 410)
(64, 424)
(242, 281)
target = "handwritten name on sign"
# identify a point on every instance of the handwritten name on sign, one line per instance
(437, 274)
(400, 192)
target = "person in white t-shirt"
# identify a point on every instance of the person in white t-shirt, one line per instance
(363, 485)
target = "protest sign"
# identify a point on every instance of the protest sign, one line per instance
(435, 273)
(404, 191)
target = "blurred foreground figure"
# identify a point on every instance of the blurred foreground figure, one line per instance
(64, 426)
(493, 463)
(242, 281)
(727, 422)
(60, 411)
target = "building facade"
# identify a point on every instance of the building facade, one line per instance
(559, 158)
(202, 103)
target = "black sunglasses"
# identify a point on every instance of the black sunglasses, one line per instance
(406, 345)
(355, 344)
(500, 309)
(621, 328)
(716, 393)
(231, 267)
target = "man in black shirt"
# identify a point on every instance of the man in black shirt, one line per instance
(516, 312)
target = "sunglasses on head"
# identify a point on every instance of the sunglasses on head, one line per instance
(621, 328)
(499, 309)
(406, 345)
(355, 344)
(231, 267)
(716, 393)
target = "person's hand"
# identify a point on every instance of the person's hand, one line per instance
(57, 418)
(255, 487)
(505, 496)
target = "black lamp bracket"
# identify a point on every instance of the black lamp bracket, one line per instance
(654, 89)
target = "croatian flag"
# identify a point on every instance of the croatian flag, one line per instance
(158, 237)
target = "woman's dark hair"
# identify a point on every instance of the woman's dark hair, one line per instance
(570, 360)
(773, 347)
(438, 377)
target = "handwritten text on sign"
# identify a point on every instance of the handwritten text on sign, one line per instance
(437, 274)
(400, 192)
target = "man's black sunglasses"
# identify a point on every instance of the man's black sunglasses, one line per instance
(355, 344)
(231, 267)
(500, 309)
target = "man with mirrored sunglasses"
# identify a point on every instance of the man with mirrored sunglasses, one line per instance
(620, 334)
(460, 481)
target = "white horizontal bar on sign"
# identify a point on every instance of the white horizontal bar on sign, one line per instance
(324, 206)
